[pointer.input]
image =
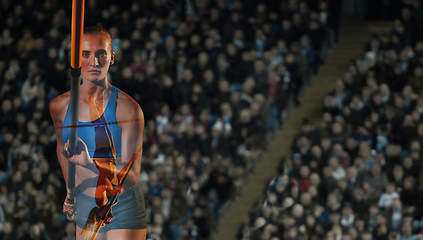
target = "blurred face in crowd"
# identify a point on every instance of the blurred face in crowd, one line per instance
(310, 221)
(326, 144)
(312, 190)
(337, 149)
(409, 183)
(399, 101)
(292, 233)
(294, 192)
(348, 78)
(335, 218)
(287, 202)
(239, 34)
(7, 228)
(405, 14)
(356, 100)
(303, 143)
(406, 230)
(404, 55)
(358, 195)
(248, 85)
(203, 58)
(96, 57)
(259, 99)
(337, 128)
(170, 41)
(332, 200)
(415, 146)
(259, 66)
(375, 169)
(381, 230)
(195, 40)
(342, 184)
(398, 172)
(52, 53)
(407, 163)
(235, 98)
(351, 173)
(339, 86)
(396, 204)
(333, 162)
(346, 236)
(384, 89)
(347, 211)
(304, 171)
(188, 75)
(327, 172)
(305, 199)
(297, 211)
(366, 236)
(420, 103)
(313, 25)
(398, 24)
(245, 116)
(316, 151)
(418, 72)
(209, 43)
(314, 179)
(390, 188)
(6, 106)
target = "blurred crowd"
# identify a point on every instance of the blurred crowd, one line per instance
(357, 173)
(213, 80)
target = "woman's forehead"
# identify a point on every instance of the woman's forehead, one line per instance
(97, 41)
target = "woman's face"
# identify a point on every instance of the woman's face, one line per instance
(96, 57)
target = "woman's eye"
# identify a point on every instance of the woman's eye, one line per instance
(85, 54)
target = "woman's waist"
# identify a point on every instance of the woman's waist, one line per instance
(88, 187)
(98, 142)
(90, 173)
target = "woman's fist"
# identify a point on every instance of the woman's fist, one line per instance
(80, 157)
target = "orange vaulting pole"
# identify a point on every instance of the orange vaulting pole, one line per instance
(76, 54)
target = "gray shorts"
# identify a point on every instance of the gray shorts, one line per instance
(129, 212)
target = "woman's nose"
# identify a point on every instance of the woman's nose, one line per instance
(94, 61)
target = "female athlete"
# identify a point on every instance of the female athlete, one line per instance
(109, 148)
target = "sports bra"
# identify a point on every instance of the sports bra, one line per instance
(96, 134)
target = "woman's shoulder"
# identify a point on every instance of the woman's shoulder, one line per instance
(126, 105)
(59, 104)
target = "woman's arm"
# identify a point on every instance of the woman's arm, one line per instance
(57, 112)
(58, 108)
(130, 115)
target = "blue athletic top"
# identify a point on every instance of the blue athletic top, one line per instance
(97, 132)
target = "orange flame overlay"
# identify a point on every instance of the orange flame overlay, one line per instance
(107, 216)
(77, 30)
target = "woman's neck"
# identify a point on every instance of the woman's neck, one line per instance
(102, 84)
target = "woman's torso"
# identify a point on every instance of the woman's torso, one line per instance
(107, 124)
(86, 130)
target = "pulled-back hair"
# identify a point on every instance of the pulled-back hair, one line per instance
(98, 30)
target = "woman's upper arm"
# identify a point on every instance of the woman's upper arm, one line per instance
(57, 110)
(131, 119)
